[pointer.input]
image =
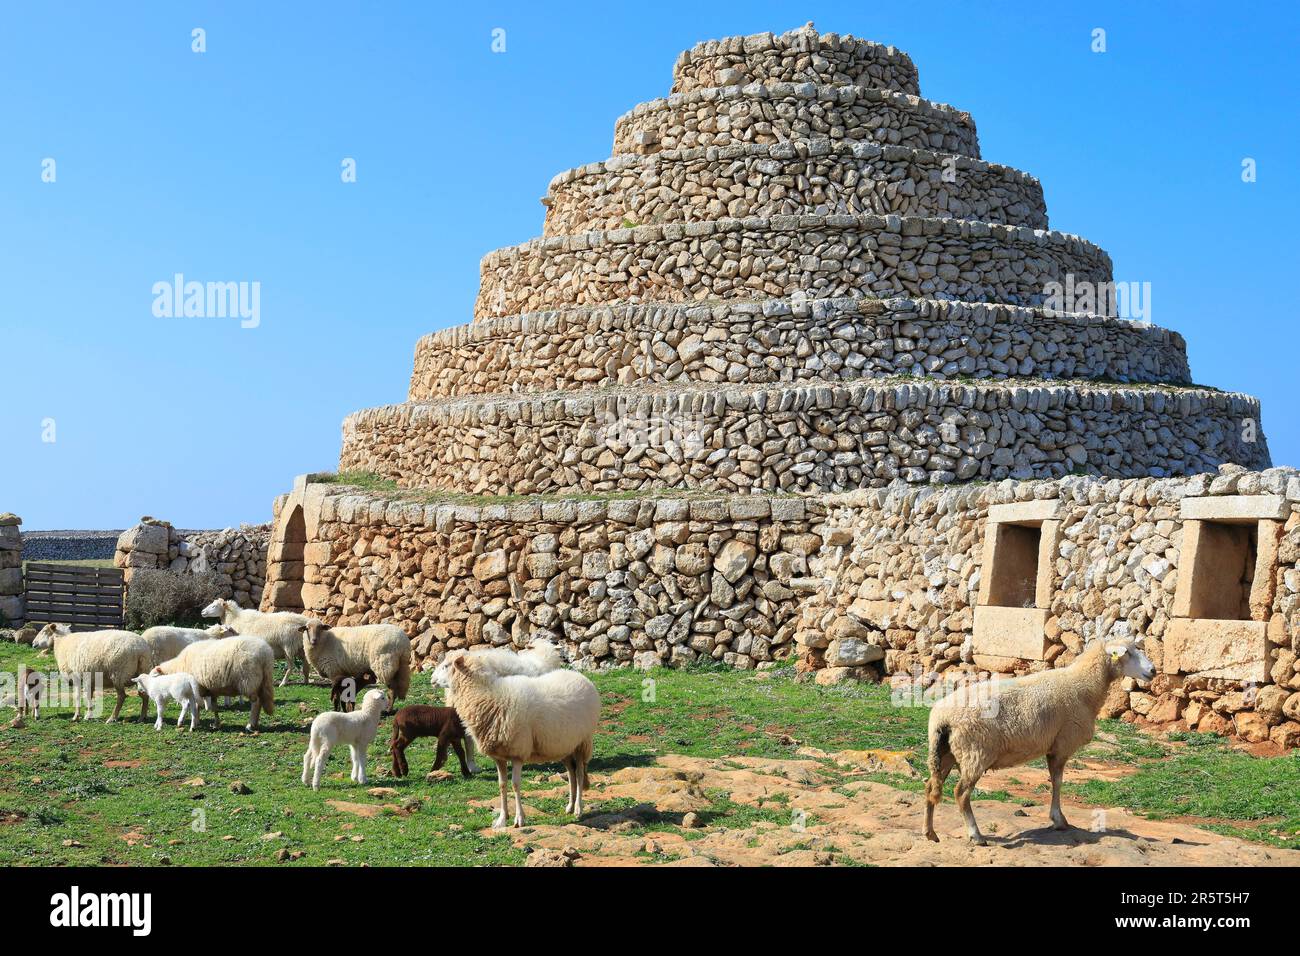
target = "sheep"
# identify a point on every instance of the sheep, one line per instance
(167, 642)
(413, 722)
(338, 652)
(540, 657)
(343, 695)
(1049, 714)
(116, 655)
(281, 630)
(180, 687)
(517, 719)
(356, 730)
(30, 692)
(241, 666)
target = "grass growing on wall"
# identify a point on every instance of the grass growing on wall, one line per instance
(98, 794)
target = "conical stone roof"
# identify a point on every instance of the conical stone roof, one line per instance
(794, 274)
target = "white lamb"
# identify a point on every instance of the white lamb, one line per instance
(518, 719)
(116, 655)
(1049, 714)
(282, 630)
(356, 729)
(180, 687)
(236, 666)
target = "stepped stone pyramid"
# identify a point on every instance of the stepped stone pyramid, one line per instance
(794, 275)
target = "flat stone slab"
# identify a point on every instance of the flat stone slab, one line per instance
(1235, 508)
(1207, 647)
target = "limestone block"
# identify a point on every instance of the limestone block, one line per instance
(1244, 509)
(1205, 647)
(1015, 632)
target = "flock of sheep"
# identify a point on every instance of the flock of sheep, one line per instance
(516, 708)
(525, 707)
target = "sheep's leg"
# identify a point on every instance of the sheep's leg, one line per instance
(254, 714)
(322, 754)
(469, 755)
(288, 667)
(216, 712)
(570, 771)
(76, 697)
(117, 708)
(965, 786)
(460, 755)
(158, 705)
(307, 762)
(144, 708)
(358, 764)
(1056, 768)
(934, 792)
(440, 757)
(579, 786)
(500, 821)
(516, 773)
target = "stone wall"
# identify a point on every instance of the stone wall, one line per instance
(236, 555)
(801, 56)
(808, 439)
(903, 571)
(813, 340)
(819, 177)
(816, 256)
(11, 570)
(884, 582)
(646, 581)
(765, 113)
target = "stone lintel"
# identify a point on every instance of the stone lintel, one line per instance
(1235, 509)
(1025, 512)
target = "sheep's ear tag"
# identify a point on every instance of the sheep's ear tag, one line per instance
(1115, 654)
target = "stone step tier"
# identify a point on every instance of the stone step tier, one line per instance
(800, 56)
(818, 176)
(787, 340)
(779, 112)
(810, 438)
(757, 257)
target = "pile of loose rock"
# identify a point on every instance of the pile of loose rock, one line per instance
(236, 555)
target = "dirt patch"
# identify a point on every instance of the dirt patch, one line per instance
(839, 819)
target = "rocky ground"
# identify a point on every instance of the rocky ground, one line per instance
(832, 812)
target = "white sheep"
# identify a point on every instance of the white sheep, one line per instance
(180, 687)
(166, 641)
(356, 729)
(282, 630)
(242, 666)
(341, 652)
(539, 658)
(1010, 722)
(517, 719)
(116, 655)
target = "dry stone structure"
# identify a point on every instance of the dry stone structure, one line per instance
(11, 569)
(785, 378)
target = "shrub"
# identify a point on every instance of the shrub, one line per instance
(157, 597)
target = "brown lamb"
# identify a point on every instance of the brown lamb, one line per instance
(417, 721)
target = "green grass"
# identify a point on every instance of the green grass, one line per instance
(89, 785)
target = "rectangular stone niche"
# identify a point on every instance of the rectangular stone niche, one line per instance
(1226, 581)
(1015, 584)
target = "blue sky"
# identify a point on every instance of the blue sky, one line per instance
(225, 166)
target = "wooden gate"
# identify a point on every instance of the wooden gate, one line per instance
(88, 598)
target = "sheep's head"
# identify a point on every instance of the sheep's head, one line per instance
(1126, 657)
(442, 673)
(375, 700)
(155, 672)
(218, 631)
(218, 608)
(140, 680)
(312, 631)
(45, 637)
(468, 667)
